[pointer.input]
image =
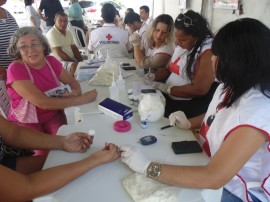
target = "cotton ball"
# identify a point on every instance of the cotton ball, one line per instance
(91, 132)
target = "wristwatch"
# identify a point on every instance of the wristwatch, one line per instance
(169, 89)
(153, 170)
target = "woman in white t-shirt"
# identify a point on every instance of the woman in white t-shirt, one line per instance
(156, 49)
(32, 15)
(235, 131)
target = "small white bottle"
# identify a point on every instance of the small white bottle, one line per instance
(130, 92)
(136, 100)
(144, 121)
(114, 92)
(131, 99)
(121, 84)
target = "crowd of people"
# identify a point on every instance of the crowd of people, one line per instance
(218, 83)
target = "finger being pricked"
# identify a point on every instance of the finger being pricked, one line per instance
(113, 149)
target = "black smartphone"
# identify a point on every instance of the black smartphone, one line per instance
(125, 64)
(129, 68)
(186, 147)
(148, 91)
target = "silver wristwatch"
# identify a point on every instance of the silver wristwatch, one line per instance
(153, 170)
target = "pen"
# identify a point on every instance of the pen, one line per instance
(164, 127)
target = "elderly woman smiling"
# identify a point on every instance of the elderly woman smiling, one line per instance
(31, 74)
(158, 47)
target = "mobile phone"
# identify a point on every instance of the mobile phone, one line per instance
(129, 68)
(186, 147)
(125, 64)
(147, 140)
(148, 91)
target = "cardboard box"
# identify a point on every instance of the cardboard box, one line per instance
(115, 109)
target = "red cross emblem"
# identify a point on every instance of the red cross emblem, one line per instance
(174, 67)
(109, 36)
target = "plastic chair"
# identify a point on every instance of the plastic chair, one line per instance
(4, 100)
(114, 51)
(79, 39)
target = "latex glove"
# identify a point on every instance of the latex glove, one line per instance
(149, 78)
(180, 120)
(134, 158)
(135, 39)
(160, 86)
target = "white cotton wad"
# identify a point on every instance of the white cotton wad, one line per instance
(151, 107)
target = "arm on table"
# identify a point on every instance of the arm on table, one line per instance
(39, 183)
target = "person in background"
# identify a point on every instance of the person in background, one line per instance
(109, 34)
(134, 22)
(126, 27)
(30, 75)
(75, 18)
(235, 130)
(75, 14)
(118, 20)
(50, 7)
(62, 44)
(24, 176)
(189, 79)
(158, 47)
(32, 14)
(8, 26)
(144, 14)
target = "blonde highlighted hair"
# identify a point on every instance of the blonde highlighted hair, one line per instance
(163, 18)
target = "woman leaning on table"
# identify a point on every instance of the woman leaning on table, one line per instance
(22, 178)
(32, 73)
(189, 78)
(157, 49)
(235, 130)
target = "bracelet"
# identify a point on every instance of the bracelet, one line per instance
(153, 170)
(169, 89)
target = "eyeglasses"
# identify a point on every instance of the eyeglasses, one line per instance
(187, 21)
(33, 45)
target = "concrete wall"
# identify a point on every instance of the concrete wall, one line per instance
(172, 7)
(216, 17)
(254, 9)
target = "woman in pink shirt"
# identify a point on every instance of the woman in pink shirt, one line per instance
(31, 74)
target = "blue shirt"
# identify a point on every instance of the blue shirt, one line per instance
(76, 11)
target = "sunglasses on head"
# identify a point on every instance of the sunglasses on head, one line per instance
(187, 21)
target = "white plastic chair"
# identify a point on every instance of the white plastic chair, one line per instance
(4, 100)
(114, 51)
(75, 33)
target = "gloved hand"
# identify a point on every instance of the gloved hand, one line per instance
(134, 158)
(180, 120)
(148, 78)
(135, 39)
(160, 86)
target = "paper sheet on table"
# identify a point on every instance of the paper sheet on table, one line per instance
(143, 189)
(104, 74)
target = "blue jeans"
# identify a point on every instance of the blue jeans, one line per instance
(229, 197)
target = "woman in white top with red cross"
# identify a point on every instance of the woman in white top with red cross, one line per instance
(235, 131)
